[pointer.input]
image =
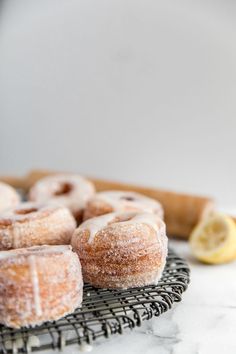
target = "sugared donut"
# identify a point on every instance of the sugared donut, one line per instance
(121, 201)
(69, 190)
(121, 250)
(38, 284)
(32, 224)
(8, 197)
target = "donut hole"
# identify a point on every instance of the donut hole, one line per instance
(63, 188)
(26, 211)
(128, 198)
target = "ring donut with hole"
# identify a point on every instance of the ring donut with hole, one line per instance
(8, 197)
(32, 224)
(121, 250)
(69, 190)
(39, 284)
(121, 201)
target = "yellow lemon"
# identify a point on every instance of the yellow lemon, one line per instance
(213, 240)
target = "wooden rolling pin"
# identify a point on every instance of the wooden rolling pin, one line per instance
(182, 211)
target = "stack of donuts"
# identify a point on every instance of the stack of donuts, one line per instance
(66, 233)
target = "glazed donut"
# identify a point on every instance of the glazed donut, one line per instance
(121, 201)
(31, 224)
(8, 197)
(71, 191)
(38, 284)
(121, 250)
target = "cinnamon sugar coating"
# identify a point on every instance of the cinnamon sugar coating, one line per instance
(38, 284)
(121, 250)
(69, 190)
(121, 201)
(8, 197)
(31, 224)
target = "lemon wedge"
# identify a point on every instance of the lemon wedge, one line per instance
(213, 240)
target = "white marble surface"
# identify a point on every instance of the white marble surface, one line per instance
(203, 323)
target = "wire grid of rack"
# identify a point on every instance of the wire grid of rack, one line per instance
(104, 313)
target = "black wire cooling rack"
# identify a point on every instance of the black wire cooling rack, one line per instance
(104, 313)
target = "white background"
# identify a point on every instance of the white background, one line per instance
(135, 90)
